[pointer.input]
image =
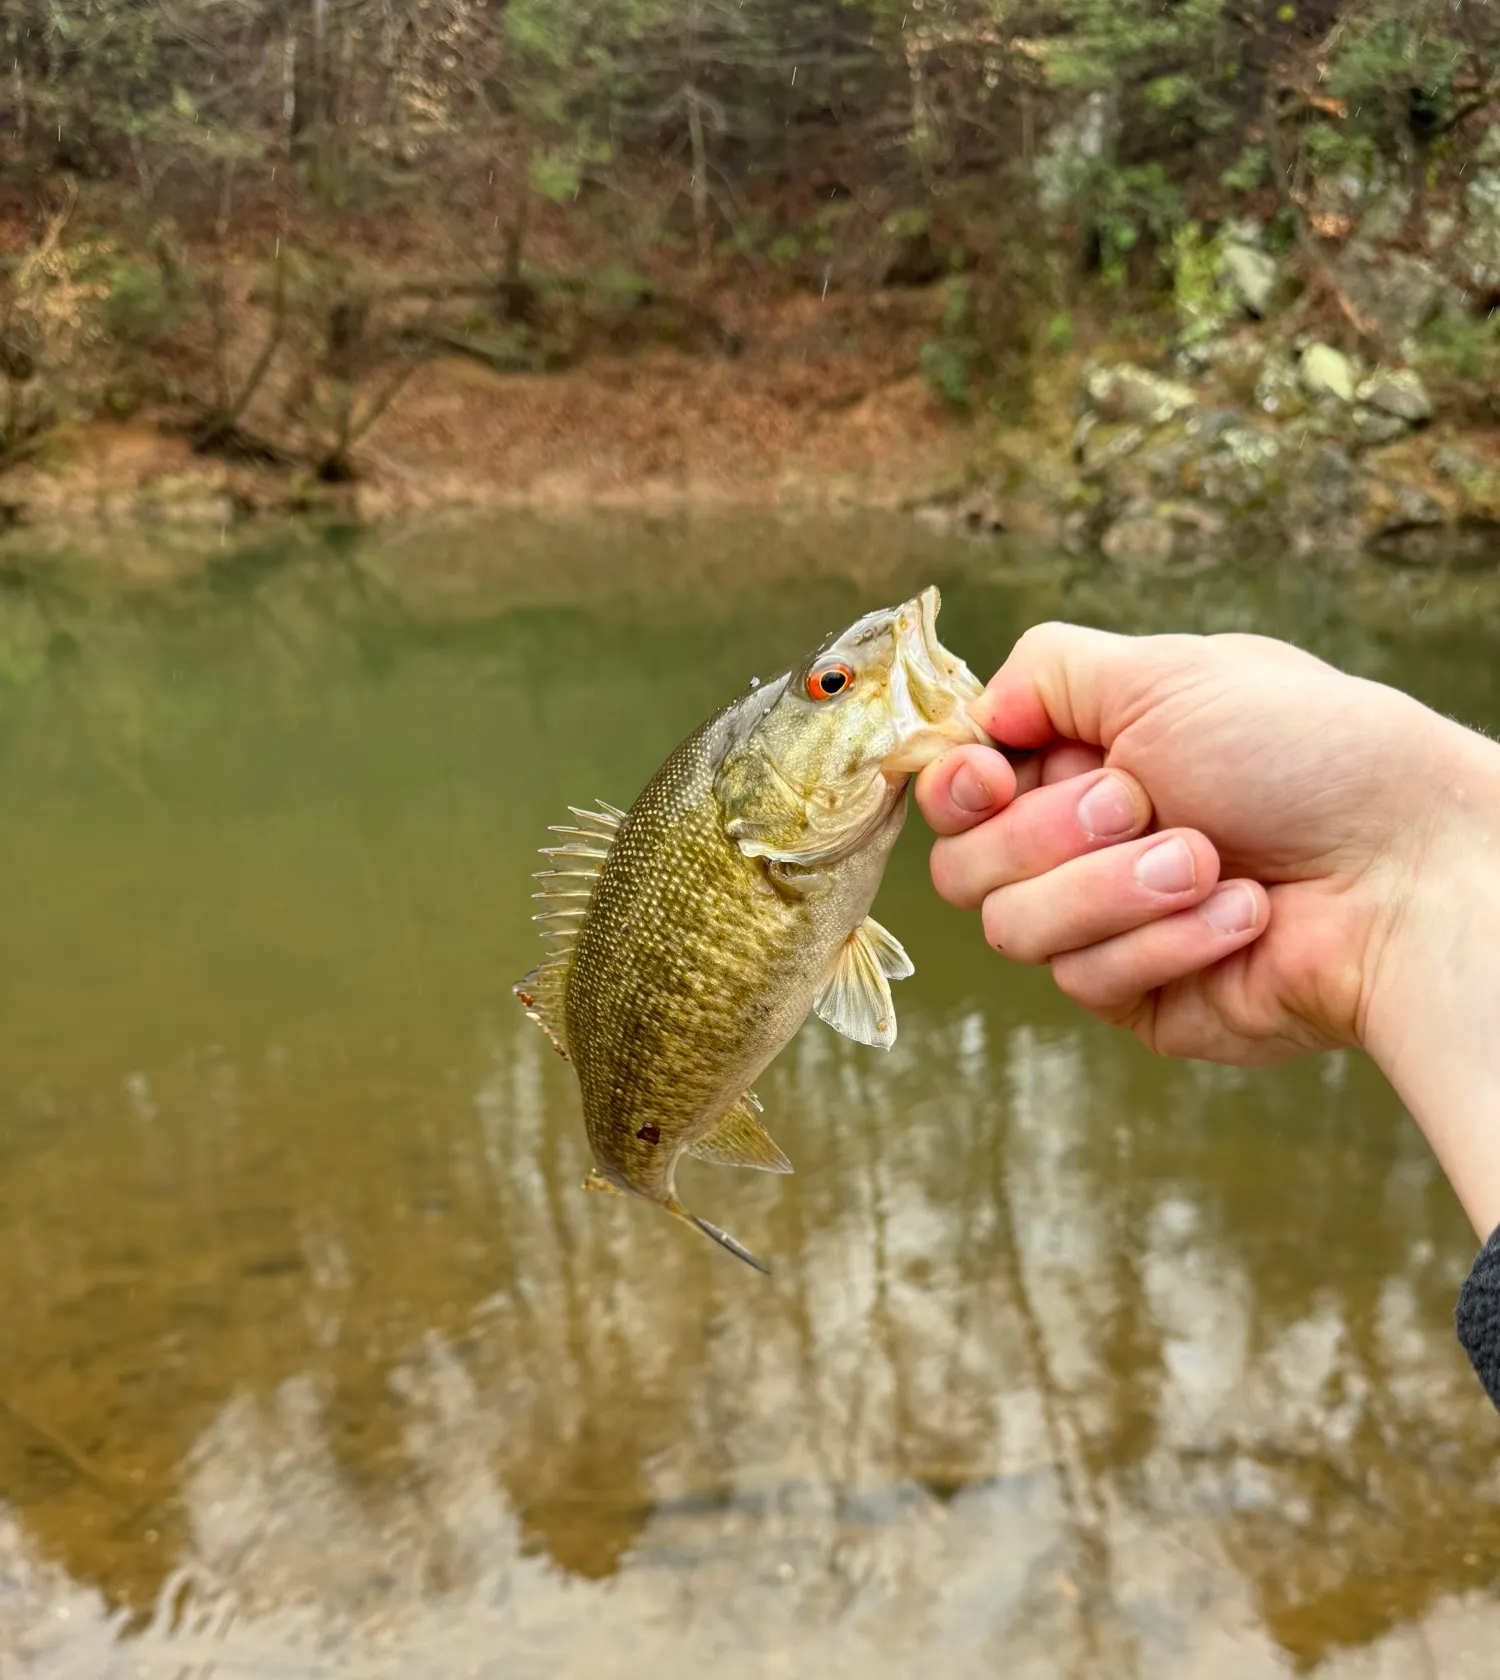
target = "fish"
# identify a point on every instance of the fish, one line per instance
(691, 935)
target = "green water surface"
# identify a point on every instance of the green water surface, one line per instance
(315, 1360)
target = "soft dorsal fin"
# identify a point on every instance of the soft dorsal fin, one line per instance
(541, 995)
(567, 887)
(740, 1140)
(856, 998)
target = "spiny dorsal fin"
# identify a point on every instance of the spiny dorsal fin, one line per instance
(583, 850)
(567, 886)
(856, 999)
(739, 1140)
(573, 866)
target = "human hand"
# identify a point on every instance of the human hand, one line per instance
(1229, 848)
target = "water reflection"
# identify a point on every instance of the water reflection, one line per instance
(315, 1361)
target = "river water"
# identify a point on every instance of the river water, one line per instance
(314, 1359)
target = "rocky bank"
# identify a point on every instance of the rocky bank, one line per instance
(1248, 429)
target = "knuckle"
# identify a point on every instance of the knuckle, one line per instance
(1009, 936)
(1170, 1038)
(1039, 638)
(950, 878)
(1079, 980)
(1032, 824)
(1071, 979)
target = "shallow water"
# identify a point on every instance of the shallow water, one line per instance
(314, 1359)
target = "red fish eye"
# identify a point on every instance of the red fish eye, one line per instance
(829, 680)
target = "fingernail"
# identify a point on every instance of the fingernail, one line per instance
(1167, 868)
(969, 791)
(1106, 811)
(1231, 911)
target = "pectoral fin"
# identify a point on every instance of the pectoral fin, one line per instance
(739, 1140)
(856, 1000)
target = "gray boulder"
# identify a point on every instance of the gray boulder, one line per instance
(1251, 275)
(1396, 292)
(1327, 372)
(1397, 391)
(1127, 392)
(1278, 390)
(1373, 427)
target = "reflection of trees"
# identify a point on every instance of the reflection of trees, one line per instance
(448, 1379)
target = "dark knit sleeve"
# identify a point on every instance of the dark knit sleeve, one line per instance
(1477, 1317)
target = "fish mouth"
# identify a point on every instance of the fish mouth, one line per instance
(931, 689)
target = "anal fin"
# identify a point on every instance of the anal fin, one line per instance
(856, 998)
(738, 1139)
(889, 951)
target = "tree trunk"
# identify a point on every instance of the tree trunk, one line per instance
(695, 135)
(700, 175)
(311, 130)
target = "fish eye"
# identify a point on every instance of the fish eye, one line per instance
(828, 680)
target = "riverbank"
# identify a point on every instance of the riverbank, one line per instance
(801, 423)
(1148, 449)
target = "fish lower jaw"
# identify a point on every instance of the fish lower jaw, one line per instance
(932, 743)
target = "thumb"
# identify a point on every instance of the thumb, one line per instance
(1065, 680)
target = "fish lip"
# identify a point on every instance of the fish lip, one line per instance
(927, 672)
(929, 604)
(918, 645)
(916, 633)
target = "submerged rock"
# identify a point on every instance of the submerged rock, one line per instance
(1127, 392)
(1327, 372)
(1397, 391)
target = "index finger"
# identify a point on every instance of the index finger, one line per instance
(1064, 679)
(966, 787)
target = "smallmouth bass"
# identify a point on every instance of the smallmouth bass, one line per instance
(693, 933)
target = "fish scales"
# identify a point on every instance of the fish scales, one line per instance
(691, 969)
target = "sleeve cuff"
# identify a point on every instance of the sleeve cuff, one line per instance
(1477, 1317)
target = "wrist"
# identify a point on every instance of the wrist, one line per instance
(1432, 1025)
